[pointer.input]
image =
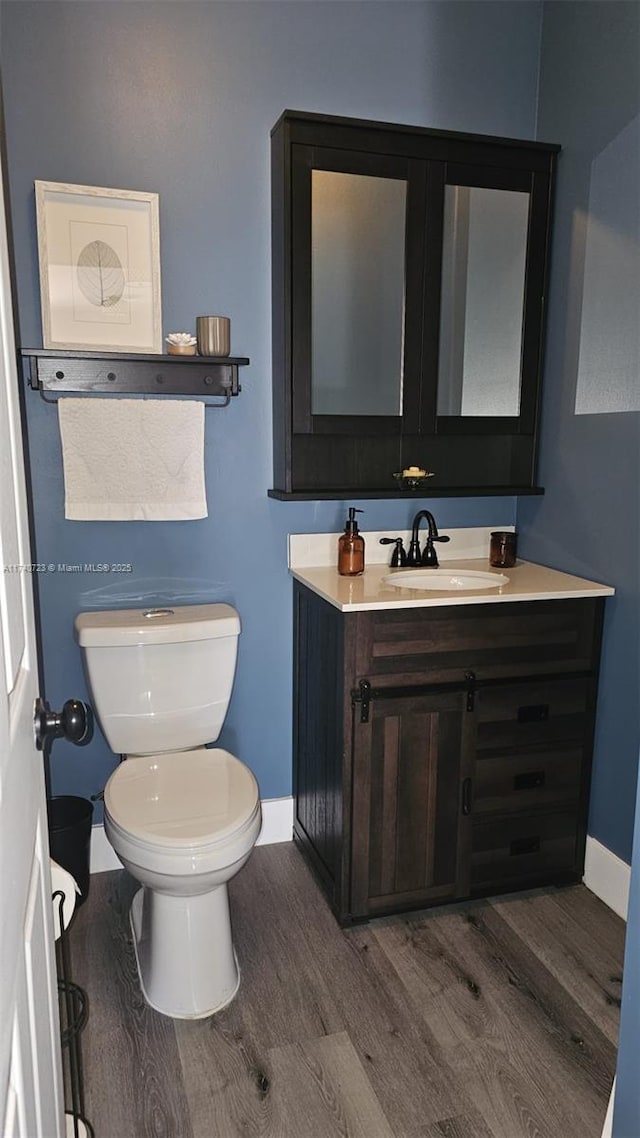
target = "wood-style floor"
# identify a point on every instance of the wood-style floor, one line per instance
(488, 1020)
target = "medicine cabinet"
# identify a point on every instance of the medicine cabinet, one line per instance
(409, 270)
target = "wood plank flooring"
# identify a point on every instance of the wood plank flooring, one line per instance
(484, 1020)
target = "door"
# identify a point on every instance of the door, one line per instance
(30, 1079)
(413, 761)
(356, 288)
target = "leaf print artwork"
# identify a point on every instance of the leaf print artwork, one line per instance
(100, 274)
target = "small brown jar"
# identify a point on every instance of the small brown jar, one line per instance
(502, 550)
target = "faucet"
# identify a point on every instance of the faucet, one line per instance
(428, 557)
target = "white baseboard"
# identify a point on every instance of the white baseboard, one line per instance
(607, 1128)
(277, 821)
(608, 876)
(103, 856)
(277, 826)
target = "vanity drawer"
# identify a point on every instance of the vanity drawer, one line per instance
(510, 851)
(534, 714)
(495, 641)
(523, 782)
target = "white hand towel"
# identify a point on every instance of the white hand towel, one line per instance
(133, 459)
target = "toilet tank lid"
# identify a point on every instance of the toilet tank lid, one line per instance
(156, 625)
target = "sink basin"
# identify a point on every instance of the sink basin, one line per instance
(451, 580)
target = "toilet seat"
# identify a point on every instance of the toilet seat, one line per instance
(182, 800)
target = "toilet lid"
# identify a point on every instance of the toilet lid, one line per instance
(184, 798)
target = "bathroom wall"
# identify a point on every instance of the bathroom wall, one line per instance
(179, 98)
(589, 518)
(626, 1117)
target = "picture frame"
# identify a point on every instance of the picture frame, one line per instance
(99, 261)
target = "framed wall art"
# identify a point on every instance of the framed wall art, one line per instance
(99, 257)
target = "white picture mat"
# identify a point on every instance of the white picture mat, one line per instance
(125, 222)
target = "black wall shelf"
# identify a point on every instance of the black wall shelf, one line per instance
(132, 374)
(424, 493)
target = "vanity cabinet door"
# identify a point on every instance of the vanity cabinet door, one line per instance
(411, 821)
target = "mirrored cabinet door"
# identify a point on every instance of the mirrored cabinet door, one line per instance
(358, 225)
(491, 293)
(352, 286)
(482, 301)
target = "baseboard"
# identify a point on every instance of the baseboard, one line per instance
(277, 821)
(277, 826)
(607, 1128)
(608, 876)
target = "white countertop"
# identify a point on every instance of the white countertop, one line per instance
(527, 582)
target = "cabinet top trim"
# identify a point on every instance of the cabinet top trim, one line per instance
(289, 116)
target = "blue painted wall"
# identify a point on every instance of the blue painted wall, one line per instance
(589, 518)
(180, 98)
(626, 1115)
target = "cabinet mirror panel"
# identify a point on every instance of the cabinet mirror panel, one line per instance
(482, 301)
(357, 293)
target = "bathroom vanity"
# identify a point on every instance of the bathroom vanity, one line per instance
(442, 742)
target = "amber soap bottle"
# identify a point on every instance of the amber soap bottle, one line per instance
(351, 547)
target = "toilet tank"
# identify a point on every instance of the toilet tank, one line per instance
(160, 678)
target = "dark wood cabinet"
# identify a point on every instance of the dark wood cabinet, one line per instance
(442, 753)
(411, 813)
(409, 270)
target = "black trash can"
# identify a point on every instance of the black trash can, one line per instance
(70, 837)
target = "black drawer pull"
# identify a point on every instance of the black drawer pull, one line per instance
(524, 846)
(533, 713)
(466, 796)
(528, 781)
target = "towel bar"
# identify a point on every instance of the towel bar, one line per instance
(224, 402)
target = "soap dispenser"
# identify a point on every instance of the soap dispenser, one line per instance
(351, 547)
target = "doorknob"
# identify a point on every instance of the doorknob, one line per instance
(74, 723)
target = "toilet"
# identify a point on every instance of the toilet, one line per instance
(183, 819)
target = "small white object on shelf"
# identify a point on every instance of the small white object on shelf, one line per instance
(181, 344)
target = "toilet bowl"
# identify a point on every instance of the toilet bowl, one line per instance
(183, 821)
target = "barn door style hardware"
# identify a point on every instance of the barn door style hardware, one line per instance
(362, 696)
(472, 683)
